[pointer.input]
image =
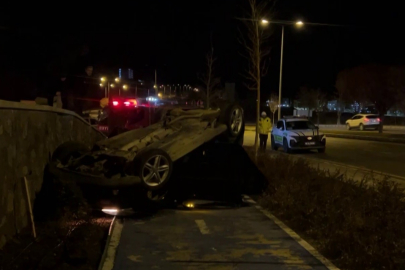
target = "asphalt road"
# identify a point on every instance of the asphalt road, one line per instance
(210, 239)
(379, 156)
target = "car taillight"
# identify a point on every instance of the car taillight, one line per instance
(366, 119)
(127, 103)
(115, 103)
(378, 119)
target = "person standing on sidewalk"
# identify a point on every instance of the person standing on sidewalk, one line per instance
(264, 130)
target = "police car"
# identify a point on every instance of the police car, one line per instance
(297, 133)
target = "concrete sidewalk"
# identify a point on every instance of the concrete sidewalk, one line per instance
(221, 239)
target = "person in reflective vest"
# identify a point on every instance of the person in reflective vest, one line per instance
(264, 130)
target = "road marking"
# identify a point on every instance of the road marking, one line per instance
(115, 232)
(293, 235)
(202, 226)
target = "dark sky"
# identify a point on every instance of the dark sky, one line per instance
(173, 36)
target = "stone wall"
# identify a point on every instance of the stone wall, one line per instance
(28, 136)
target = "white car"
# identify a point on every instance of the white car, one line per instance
(363, 121)
(293, 133)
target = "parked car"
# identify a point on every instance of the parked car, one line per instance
(363, 121)
(296, 133)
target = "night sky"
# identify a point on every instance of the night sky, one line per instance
(38, 43)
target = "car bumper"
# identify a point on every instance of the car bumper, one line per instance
(87, 179)
(307, 147)
(371, 125)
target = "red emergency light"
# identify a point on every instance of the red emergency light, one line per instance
(126, 103)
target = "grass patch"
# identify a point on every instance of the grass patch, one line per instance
(354, 224)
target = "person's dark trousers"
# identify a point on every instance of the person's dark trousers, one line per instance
(263, 141)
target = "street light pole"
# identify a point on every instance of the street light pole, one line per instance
(281, 72)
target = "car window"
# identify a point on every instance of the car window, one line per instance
(293, 125)
(372, 116)
(280, 124)
(355, 117)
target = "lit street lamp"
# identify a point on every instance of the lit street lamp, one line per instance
(283, 23)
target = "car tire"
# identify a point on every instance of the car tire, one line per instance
(273, 144)
(361, 127)
(65, 151)
(348, 126)
(154, 167)
(322, 150)
(285, 146)
(233, 117)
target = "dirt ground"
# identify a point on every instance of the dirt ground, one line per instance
(68, 244)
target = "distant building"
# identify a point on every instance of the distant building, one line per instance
(126, 73)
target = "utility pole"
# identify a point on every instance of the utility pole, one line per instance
(281, 72)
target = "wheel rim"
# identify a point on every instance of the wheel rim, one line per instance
(361, 127)
(236, 120)
(348, 126)
(155, 170)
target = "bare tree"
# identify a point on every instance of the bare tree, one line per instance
(273, 104)
(307, 99)
(312, 99)
(341, 94)
(321, 102)
(254, 42)
(209, 80)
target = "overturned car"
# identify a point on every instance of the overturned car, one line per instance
(144, 157)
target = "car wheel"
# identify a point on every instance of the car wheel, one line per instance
(234, 119)
(65, 151)
(348, 126)
(321, 150)
(154, 167)
(273, 144)
(361, 127)
(285, 146)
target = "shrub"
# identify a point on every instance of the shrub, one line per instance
(356, 225)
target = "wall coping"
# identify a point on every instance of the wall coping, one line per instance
(12, 105)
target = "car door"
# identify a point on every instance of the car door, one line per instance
(278, 132)
(358, 120)
(353, 121)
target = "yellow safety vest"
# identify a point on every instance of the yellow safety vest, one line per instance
(264, 125)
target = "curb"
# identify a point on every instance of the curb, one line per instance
(107, 259)
(364, 138)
